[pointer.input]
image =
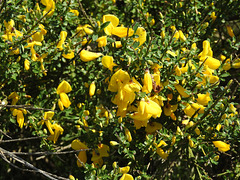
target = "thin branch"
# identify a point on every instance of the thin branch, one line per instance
(49, 153)
(30, 107)
(85, 14)
(5, 135)
(22, 169)
(27, 164)
(39, 21)
(20, 139)
(80, 161)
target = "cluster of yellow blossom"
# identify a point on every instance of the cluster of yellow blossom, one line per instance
(17, 112)
(56, 127)
(97, 154)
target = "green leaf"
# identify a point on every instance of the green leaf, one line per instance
(135, 26)
(94, 37)
(105, 24)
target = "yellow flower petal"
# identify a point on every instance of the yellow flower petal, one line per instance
(92, 89)
(69, 55)
(77, 145)
(114, 21)
(122, 32)
(142, 34)
(126, 177)
(48, 115)
(65, 100)
(26, 64)
(89, 56)
(107, 61)
(222, 146)
(124, 169)
(64, 86)
(102, 41)
(181, 90)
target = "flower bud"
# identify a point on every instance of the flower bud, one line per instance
(92, 89)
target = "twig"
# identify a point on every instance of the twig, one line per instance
(80, 161)
(24, 139)
(27, 164)
(85, 14)
(30, 107)
(38, 21)
(5, 134)
(49, 153)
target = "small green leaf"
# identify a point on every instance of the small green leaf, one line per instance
(105, 24)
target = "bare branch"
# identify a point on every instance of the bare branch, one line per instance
(27, 164)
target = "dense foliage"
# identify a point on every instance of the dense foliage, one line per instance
(119, 89)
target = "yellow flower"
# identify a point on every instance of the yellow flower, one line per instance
(83, 30)
(20, 117)
(162, 34)
(161, 153)
(162, 143)
(126, 176)
(218, 127)
(89, 56)
(92, 89)
(206, 56)
(145, 111)
(119, 76)
(222, 146)
(117, 44)
(69, 55)
(122, 32)
(142, 34)
(65, 100)
(82, 156)
(102, 41)
(152, 127)
(75, 12)
(227, 65)
(113, 143)
(181, 90)
(189, 110)
(57, 131)
(114, 21)
(50, 5)
(64, 86)
(147, 82)
(168, 109)
(213, 16)
(10, 31)
(171, 53)
(26, 64)
(33, 52)
(128, 135)
(230, 31)
(99, 153)
(211, 62)
(47, 117)
(107, 61)
(63, 36)
(124, 169)
(203, 99)
(181, 36)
